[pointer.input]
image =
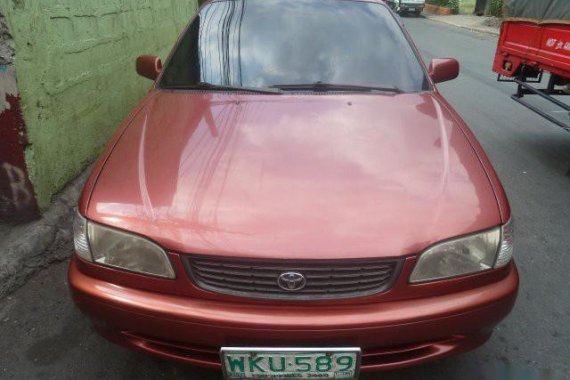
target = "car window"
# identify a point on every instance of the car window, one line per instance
(261, 43)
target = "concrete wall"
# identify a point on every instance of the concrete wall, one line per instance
(17, 201)
(76, 78)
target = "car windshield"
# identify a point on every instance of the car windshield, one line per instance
(260, 44)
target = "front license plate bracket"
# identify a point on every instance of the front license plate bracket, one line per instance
(290, 363)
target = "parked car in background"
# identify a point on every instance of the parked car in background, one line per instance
(414, 7)
(294, 198)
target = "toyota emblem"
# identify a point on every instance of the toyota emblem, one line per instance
(291, 281)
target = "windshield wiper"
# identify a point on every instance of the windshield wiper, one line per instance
(321, 86)
(221, 87)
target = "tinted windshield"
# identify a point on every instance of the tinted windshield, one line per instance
(261, 43)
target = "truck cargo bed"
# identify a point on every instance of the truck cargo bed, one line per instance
(541, 46)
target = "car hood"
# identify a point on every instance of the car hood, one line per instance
(294, 176)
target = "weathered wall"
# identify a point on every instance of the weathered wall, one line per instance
(17, 201)
(75, 70)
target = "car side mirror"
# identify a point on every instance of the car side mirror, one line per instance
(149, 66)
(443, 69)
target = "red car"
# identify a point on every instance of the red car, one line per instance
(295, 199)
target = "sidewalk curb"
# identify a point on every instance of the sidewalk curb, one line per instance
(28, 248)
(438, 18)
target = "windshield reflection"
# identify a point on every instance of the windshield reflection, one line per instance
(260, 43)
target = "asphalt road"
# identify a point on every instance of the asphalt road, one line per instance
(42, 336)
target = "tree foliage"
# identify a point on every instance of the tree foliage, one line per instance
(495, 8)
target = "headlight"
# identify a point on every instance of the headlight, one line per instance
(467, 255)
(118, 249)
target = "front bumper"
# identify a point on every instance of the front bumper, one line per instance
(391, 334)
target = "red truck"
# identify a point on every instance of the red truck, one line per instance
(535, 38)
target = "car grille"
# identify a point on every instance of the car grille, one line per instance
(330, 279)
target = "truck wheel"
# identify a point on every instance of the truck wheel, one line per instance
(418, 13)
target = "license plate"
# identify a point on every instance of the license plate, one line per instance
(290, 363)
(412, 9)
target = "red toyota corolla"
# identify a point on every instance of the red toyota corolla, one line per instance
(295, 199)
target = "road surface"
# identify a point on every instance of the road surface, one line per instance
(42, 336)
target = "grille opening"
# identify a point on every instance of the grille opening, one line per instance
(208, 356)
(371, 357)
(396, 357)
(325, 279)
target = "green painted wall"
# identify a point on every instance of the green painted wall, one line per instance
(75, 70)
